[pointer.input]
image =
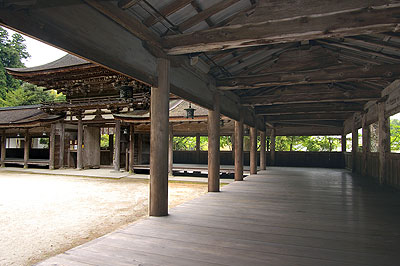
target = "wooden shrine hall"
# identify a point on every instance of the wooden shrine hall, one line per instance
(278, 67)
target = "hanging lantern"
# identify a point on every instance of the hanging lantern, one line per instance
(125, 132)
(190, 111)
(246, 131)
(44, 133)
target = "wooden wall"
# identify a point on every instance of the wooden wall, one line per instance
(283, 158)
(392, 167)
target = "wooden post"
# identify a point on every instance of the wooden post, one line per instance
(131, 148)
(79, 154)
(239, 149)
(62, 145)
(383, 140)
(159, 141)
(171, 150)
(263, 162)
(3, 149)
(253, 150)
(197, 148)
(344, 143)
(214, 146)
(140, 148)
(273, 131)
(27, 145)
(354, 146)
(117, 146)
(52, 146)
(233, 147)
(366, 143)
(111, 147)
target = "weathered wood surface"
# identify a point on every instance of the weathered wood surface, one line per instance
(239, 150)
(214, 146)
(290, 216)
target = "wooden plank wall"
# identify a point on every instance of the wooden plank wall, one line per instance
(392, 167)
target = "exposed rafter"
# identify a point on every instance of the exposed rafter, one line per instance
(299, 28)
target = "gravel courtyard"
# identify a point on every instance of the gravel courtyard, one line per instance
(43, 215)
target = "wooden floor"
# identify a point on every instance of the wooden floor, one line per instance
(284, 216)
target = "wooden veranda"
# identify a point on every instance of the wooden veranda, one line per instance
(279, 67)
(283, 216)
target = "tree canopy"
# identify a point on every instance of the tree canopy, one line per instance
(14, 92)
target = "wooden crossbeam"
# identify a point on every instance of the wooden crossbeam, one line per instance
(317, 26)
(205, 14)
(306, 117)
(166, 11)
(309, 108)
(329, 123)
(387, 71)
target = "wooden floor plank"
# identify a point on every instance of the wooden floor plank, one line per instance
(282, 216)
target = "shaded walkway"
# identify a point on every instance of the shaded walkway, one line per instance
(284, 216)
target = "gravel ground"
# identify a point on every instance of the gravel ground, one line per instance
(41, 215)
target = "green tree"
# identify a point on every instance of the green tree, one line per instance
(395, 135)
(12, 51)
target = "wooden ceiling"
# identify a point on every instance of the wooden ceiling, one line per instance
(294, 62)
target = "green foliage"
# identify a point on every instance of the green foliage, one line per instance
(14, 92)
(104, 141)
(395, 135)
(29, 94)
(184, 143)
(307, 143)
(225, 143)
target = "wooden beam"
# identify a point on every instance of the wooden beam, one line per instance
(383, 141)
(3, 148)
(214, 146)
(253, 150)
(263, 162)
(387, 71)
(306, 117)
(159, 141)
(27, 142)
(273, 141)
(239, 150)
(313, 97)
(166, 11)
(125, 4)
(117, 146)
(67, 27)
(354, 145)
(309, 108)
(171, 150)
(298, 28)
(52, 146)
(205, 14)
(131, 148)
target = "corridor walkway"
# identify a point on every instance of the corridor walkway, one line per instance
(282, 216)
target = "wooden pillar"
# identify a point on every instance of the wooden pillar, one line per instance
(159, 141)
(253, 150)
(3, 149)
(233, 147)
(273, 131)
(263, 161)
(79, 153)
(214, 146)
(198, 148)
(117, 146)
(111, 147)
(171, 150)
(239, 149)
(366, 143)
(140, 148)
(354, 146)
(131, 148)
(52, 146)
(344, 143)
(27, 145)
(383, 140)
(62, 144)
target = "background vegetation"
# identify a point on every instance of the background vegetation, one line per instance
(14, 92)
